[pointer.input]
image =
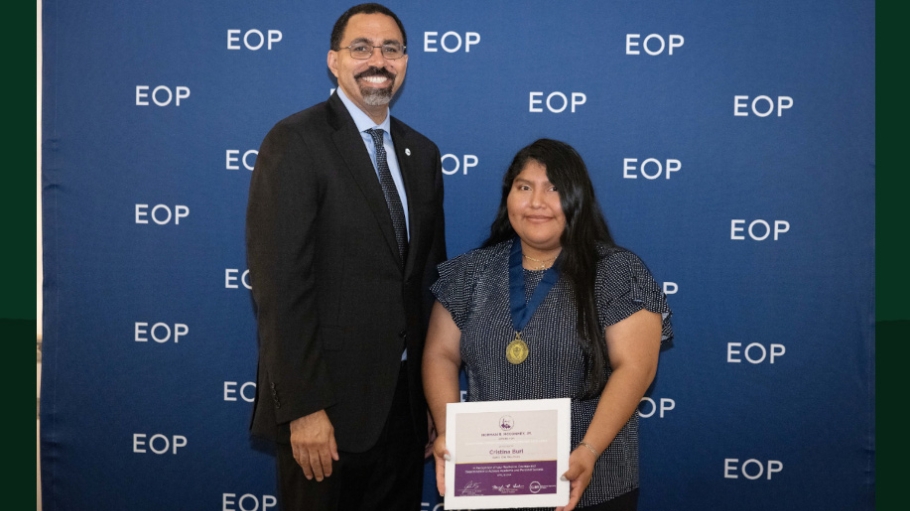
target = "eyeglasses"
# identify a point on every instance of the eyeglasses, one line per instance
(363, 51)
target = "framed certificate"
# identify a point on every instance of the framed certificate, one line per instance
(507, 454)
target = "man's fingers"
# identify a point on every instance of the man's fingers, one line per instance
(325, 465)
(314, 462)
(304, 461)
(333, 447)
(320, 470)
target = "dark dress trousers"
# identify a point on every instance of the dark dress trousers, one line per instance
(334, 306)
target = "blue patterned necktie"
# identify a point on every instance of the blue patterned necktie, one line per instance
(393, 201)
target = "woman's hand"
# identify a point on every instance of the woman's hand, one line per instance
(440, 454)
(581, 468)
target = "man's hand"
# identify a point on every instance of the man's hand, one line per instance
(313, 444)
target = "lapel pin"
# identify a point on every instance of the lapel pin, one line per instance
(407, 151)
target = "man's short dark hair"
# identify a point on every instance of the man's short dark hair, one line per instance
(370, 8)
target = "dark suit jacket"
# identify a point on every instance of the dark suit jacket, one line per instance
(333, 304)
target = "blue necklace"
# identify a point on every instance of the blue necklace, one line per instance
(517, 351)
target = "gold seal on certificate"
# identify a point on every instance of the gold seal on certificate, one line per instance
(517, 350)
(507, 454)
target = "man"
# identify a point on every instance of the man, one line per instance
(344, 230)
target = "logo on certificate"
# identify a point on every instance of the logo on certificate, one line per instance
(506, 423)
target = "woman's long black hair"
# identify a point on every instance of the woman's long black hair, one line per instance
(585, 230)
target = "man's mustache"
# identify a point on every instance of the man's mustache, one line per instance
(375, 71)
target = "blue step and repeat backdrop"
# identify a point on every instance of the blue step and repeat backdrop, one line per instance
(731, 145)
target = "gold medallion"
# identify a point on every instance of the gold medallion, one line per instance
(517, 350)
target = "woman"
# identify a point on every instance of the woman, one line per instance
(550, 240)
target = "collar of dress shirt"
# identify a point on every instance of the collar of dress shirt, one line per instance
(361, 119)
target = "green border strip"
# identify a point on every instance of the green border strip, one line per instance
(892, 208)
(892, 278)
(19, 202)
(17, 206)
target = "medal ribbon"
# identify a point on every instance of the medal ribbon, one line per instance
(521, 311)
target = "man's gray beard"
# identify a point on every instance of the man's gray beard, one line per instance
(376, 97)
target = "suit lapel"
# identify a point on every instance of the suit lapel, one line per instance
(405, 163)
(350, 145)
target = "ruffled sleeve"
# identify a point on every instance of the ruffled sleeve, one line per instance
(455, 287)
(625, 286)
